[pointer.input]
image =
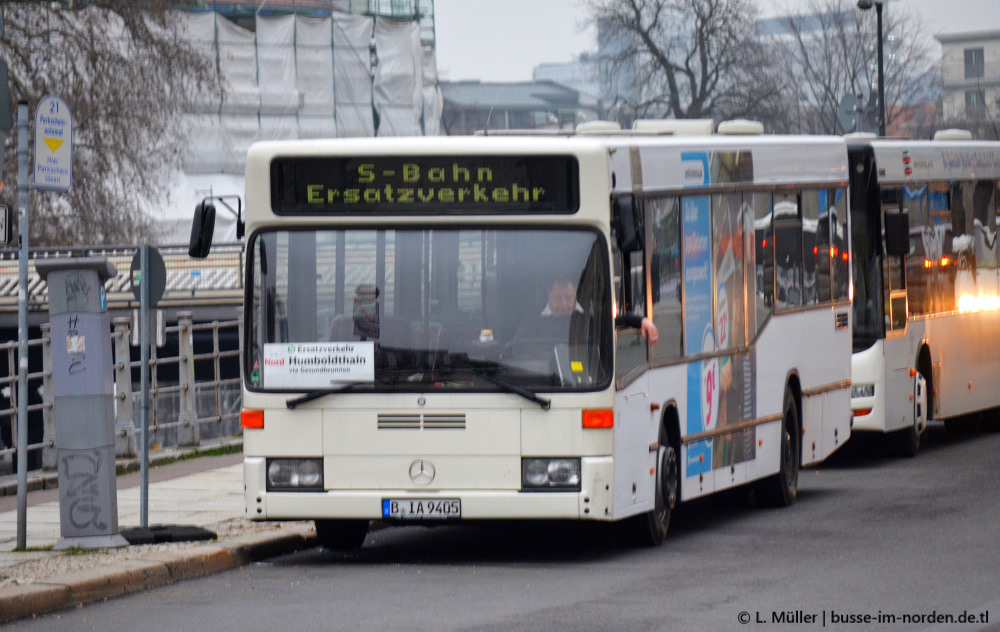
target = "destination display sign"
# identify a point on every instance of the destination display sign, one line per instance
(318, 365)
(421, 184)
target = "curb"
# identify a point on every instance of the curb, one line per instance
(157, 569)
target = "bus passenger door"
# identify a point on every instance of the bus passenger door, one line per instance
(899, 352)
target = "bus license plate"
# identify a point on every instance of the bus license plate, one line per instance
(422, 508)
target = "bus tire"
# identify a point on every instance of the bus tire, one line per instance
(341, 535)
(905, 442)
(651, 527)
(781, 489)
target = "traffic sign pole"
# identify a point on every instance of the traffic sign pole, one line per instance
(149, 279)
(144, 378)
(22, 327)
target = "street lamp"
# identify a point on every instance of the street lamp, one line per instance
(864, 5)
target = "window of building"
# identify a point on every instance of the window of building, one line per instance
(975, 103)
(973, 63)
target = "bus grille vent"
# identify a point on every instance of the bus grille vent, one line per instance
(391, 421)
(444, 422)
(398, 422)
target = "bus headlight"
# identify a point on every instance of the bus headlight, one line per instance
(862, 390)
(538, 474)
(294, 474)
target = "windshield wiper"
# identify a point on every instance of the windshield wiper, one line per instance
(308, 397)
(514, 388)
(504, 386)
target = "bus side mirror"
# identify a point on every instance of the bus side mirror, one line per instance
(202, 229)
(897, 234)
(625, 219)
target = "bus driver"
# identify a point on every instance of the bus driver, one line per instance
(554, 319)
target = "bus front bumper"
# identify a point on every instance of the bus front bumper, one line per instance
(592, 501)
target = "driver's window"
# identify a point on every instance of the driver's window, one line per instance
(630, 292)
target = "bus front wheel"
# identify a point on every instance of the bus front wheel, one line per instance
(651, 528)
(341, 535)
(906, 442)
(780, 490)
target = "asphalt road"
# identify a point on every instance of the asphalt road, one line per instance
(905, 542)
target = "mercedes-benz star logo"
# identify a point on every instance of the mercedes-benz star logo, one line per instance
(422, 471)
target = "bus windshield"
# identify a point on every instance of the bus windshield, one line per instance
(414, 309)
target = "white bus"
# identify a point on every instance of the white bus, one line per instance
(404, 360)
(926, 326)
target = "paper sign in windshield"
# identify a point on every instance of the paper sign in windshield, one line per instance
(318, 364)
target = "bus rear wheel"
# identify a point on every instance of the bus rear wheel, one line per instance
(651, 528)
(341, 535)
(781, 489)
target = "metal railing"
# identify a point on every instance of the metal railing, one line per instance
(194, 394)
(39, 381)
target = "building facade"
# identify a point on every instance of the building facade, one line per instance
(970, 77)
(472, 106)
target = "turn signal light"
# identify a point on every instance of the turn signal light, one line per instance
(250, 418)
(598, 418)
(861, 412)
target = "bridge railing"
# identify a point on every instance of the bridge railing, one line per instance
(194, 391)
(37, 382)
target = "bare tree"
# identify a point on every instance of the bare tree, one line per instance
(682, 58)
(126, 75)
(829, 51)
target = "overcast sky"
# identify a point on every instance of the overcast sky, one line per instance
(503, 40)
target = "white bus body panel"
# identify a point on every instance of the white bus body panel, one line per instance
(964, 349)
(869, 367)
(636, 429)
(825, 402)
(965, 352)
(825, 414)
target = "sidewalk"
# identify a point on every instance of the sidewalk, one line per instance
(41, 580)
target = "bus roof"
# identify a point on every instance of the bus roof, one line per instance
(901, 161)
(645, 163)
(675, 163)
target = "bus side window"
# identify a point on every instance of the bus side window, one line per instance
(763, 256)
(727, 236)
(630, 282)
(839, 245)
(788, 269)
(924, 260)
(985, 225)
(961, 225)
(665, 275)
(816, 245)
